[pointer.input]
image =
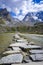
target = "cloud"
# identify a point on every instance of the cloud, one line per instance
(30, 6)
(41, 2)
(15, 0)
(21, 5)
(3, 6)
(8, 8)
(16, 10)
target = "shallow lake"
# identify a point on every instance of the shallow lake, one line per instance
(38, 39)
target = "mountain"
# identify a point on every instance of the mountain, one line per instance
(33, 17)
(6, 16)
(38, 24)
(7, 22)
(29, 20)
(38, 27)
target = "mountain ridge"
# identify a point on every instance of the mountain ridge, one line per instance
(29, 18)
(27, 21)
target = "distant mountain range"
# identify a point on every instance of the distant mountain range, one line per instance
(32, 22)
(33, 17)
(29, 20)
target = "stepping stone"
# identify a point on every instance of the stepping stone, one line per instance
(21, 40)
(10, 59)
(37, 57)
(16, 48)
(25, 46)
(31, 43)
(11, 52)
(18, 45)
(36, 51)
(32, 47)
(17, 36)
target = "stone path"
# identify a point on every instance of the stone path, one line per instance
(19, 52)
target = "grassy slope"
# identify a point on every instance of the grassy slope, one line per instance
(5, 40)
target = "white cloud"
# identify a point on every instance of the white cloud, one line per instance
(40, 20)
(38, 7)
(3, 6)
(16, 10)
(29, 6)
(8, 9)
(24, 5)
(15, 0)
(41, 2)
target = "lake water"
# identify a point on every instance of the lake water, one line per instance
(38, 39)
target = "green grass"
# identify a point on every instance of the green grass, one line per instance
(5, 40)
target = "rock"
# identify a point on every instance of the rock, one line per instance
(37, 57)
(11, 52)
(13, 58)
(36, 51)
(18, 45)
(16, 48)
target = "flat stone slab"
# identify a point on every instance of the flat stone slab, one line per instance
(36, 51)
(11, 52)
(17, 36)
(16, 48)
(25, 46)
(32, 43)
(22, 40)
(32, 47)
(37, 57)
(18, 45)
(10, 59)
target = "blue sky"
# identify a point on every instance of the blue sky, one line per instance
(19, 8)
(37, 1)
